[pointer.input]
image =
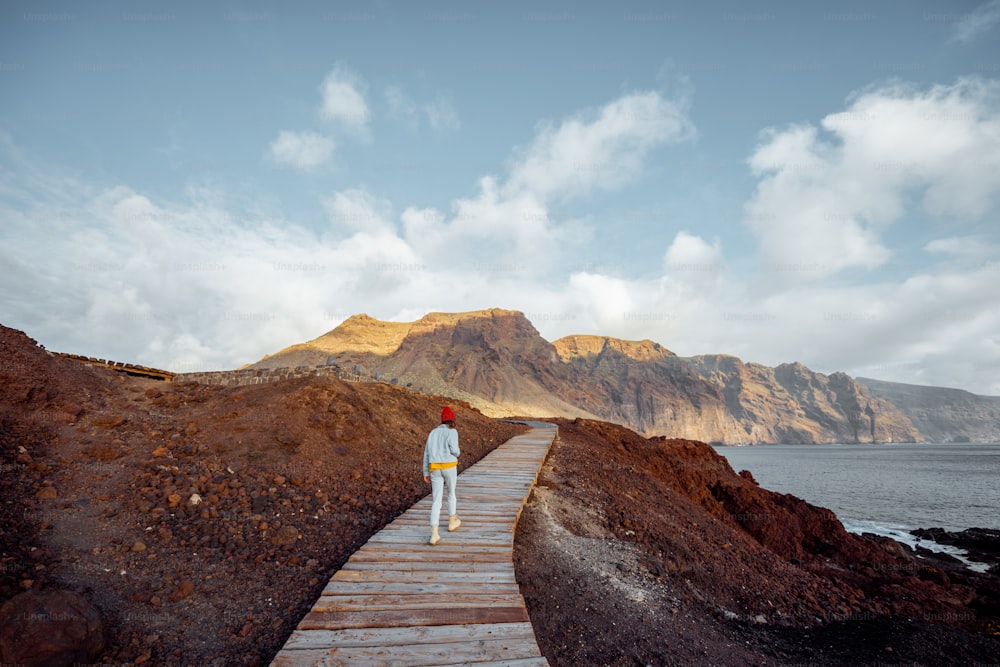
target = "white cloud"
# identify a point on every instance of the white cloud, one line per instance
(600, 150)
(507, 224)
(343, 98)
(968, 247)
(688, 251)
(825, 200)
(692, 262)
(305, 151)
(977, 22)
(343, 103)
(359, 210)
(604, 300)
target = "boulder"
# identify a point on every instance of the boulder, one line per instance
(50, 628)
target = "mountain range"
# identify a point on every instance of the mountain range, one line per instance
(497, 361)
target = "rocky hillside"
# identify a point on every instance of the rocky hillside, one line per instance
(497, 361)
(636, 551)
(186, 524)
(941, 414)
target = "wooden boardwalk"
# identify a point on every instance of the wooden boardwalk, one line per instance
(399, 601)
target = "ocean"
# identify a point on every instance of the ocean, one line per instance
(885, 489)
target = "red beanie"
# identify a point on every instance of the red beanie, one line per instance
(447, 415)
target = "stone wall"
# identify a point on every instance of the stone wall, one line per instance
(262, 375)
(121, 367)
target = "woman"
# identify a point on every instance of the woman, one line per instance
(440, 469)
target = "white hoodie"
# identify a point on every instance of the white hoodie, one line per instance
(441, 447)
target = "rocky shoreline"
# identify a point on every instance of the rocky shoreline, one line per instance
(981, 545)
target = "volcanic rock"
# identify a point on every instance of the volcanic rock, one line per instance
(51, 627)
(183, 590)
(653, 551)
(982, 544)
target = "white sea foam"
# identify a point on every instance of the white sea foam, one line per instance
(902, 534)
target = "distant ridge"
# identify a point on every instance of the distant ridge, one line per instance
(496, 360)
(942, 414)
(363, 334)
(570, 347)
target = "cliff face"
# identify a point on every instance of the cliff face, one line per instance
(574, 347)
(792, 404)
(644, 386)
(942, 414)
(497, 361)
(494, 359)
(497, 358)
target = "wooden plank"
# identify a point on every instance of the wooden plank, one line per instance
(448, 542)
(466, 507)
(427, 566)
(469, 524)
(473, 528)
(479, 502)
(521, 662)
(401, 618)
(408, 534)
(485, 510)
(506, 486)
(466, 511)
(510, 483)
(414, 655)
(442, 547)
(421, 530)
(443, 552)
(419, 543)
(402, 602)
(421, 555)
(458, 588)
(394, 636)
(444, 576)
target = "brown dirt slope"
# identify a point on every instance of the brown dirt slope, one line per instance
(653, 551)
(201, 521)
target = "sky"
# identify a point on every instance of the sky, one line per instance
(193, 185)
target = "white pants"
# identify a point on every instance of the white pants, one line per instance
(439, 478)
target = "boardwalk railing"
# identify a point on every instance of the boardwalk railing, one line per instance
(399, 601)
